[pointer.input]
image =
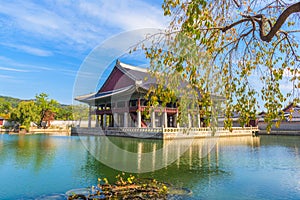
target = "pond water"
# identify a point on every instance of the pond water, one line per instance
(41, 166)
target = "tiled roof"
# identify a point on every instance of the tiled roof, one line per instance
(137, 73)
(140, 76)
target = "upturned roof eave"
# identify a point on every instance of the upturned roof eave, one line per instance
(107, 95)
(84, 97)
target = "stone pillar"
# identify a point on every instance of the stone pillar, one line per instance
(125, 119)
(190, 120)
(97, 120)
(176, 120)
(90, 117)
(139, 119)
(104, 121)
(101, 120)
(199, 120)
(153, 119)
(97, 117)
(110, 120)
(115, 120)
(129, 120)
(165, 119)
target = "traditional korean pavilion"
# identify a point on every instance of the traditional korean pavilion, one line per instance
(120, 109)
(120, 102)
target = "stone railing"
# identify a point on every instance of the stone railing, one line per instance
(178, 130)
(251, 128)
(206, 129)
(166, 133)
(183, 130)
(135, 129)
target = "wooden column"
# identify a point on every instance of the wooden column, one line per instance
(138, 103)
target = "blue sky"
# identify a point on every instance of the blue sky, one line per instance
(44, 42)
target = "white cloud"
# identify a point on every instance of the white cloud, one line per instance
(23, 67)
(29, 49)
(288, 74)
(12, 69)
(60, 33)
(5, 77)
(128, 15)
(10, 65)
(83, 24)
(35, 51)
(286, 87)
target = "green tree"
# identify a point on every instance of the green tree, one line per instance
(219, 46)
(64, 113)
(80, 112)
(46, 108)
(26, 112)
(5, 108)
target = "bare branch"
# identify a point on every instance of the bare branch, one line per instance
(293, 51)
(237, 3)
(261, 20)
(226, 28)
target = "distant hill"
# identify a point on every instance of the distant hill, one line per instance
(14, 101)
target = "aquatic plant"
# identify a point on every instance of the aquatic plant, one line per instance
(124, 188)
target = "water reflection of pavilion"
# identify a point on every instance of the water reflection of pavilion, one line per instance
(136, 155)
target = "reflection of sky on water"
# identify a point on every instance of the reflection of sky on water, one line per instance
(236, 168)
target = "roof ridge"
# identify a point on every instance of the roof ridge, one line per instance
(136, 68)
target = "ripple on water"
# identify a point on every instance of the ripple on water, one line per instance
(52, 197)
